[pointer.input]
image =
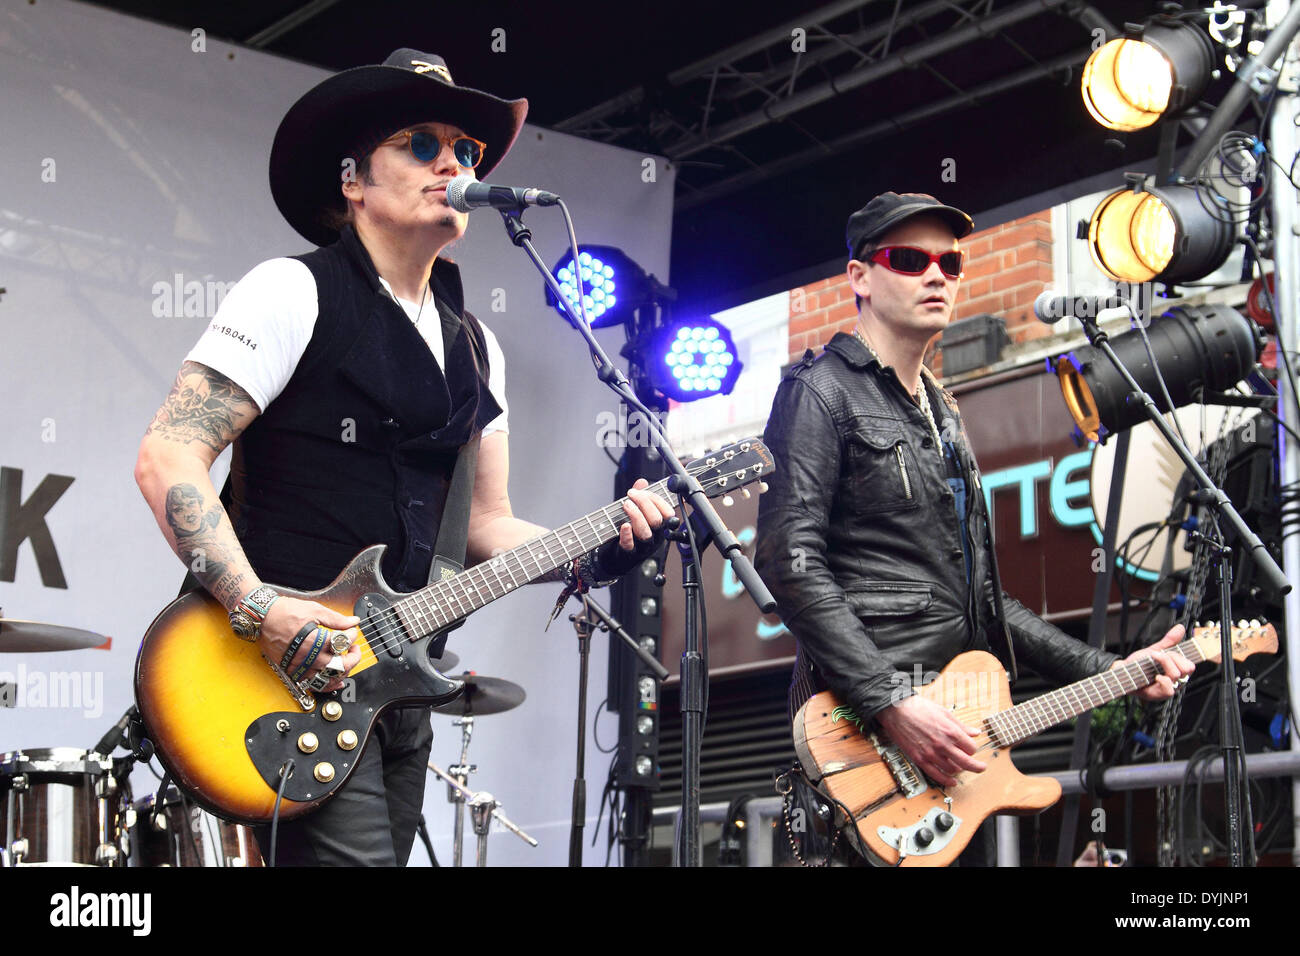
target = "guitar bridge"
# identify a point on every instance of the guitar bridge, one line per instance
(909, 781)
(299, 693)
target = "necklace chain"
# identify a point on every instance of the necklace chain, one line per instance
(922, 398)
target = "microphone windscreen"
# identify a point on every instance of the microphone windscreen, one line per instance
(456, 193)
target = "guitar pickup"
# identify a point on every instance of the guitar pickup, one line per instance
(382, 625)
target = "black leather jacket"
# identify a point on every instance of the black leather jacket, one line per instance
(859, 541)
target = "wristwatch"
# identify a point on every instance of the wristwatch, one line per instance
(247, 617)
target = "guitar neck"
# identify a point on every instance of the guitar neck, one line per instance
(442, 604)
(1024, 720)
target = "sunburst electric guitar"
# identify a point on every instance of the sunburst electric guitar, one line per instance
(224, 720)
(901, 817)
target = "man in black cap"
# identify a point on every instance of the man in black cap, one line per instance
(349, 380)
(873, 535)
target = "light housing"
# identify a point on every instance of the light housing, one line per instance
(1131, 82)
(1157, 233)
(612, 283)
(690, 360)
(1199, 348)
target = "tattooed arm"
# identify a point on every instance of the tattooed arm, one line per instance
(204, 413)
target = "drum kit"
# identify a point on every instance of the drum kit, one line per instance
(64, 806)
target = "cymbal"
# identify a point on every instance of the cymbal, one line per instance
(17, 637)
(448, 662)
(483, 696)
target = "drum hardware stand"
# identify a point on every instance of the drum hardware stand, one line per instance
(484, 808)
(481, 808)
(456, 793)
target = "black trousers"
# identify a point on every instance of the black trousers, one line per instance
(371, 821)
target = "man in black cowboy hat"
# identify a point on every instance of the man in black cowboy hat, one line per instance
(876, 497)
(349, 380)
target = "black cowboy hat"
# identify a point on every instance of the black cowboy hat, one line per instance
(350, 113)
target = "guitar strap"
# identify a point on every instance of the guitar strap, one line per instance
(453, 530)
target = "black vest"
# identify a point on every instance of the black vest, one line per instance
(359, 447)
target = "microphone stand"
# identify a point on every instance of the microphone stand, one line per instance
(1214, 498)
(583, 626)
(687, 488)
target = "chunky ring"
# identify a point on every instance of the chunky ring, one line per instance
(244, 626)
(340, 642)
(335, 667)
(320, 681)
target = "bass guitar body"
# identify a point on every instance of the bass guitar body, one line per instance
(899, 816)
(224, 724)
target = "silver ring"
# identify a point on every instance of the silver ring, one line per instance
(334, 667)
(340, 642)
(319, 681)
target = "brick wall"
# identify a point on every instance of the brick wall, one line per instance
(1007, 266)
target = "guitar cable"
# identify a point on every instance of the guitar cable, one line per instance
(286, 771)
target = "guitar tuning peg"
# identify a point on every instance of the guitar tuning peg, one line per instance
(1242, 624)
(728, 501)
(762, 487)
(1254, 622)
(744, 493)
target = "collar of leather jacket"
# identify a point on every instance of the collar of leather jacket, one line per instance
(849, 348)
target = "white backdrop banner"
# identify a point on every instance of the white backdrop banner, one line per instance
(134, 195)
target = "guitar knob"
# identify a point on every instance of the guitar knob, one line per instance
(347, 739)
(324, 772)
(924, 836)
(332, 710)
(308, 743)
(944, 821)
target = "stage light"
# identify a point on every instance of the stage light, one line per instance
(1200, 349)
(612, 284)
(1131, 82)
(692, 360)
(1161, 234)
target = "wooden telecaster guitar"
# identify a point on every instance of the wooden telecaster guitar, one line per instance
(224, 720)
(901, 817)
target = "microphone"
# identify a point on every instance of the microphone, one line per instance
(1052, 308)
(113, 739)
(465, 193)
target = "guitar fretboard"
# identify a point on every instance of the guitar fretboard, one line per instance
(1018, 723)
(445, 602)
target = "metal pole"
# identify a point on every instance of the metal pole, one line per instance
(1008, 833)
(1284, 141)
(1253, 78)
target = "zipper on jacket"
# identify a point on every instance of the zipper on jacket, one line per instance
(902, 471)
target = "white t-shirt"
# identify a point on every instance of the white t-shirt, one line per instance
(264, 323)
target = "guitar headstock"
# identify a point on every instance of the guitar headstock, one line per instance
(733, 467)
(1248, 637)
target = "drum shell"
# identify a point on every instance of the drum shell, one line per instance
(61, 804)
(161, 840)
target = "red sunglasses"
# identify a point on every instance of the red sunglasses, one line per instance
(911, 261)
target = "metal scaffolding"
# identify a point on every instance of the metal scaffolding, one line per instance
(707, 108)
